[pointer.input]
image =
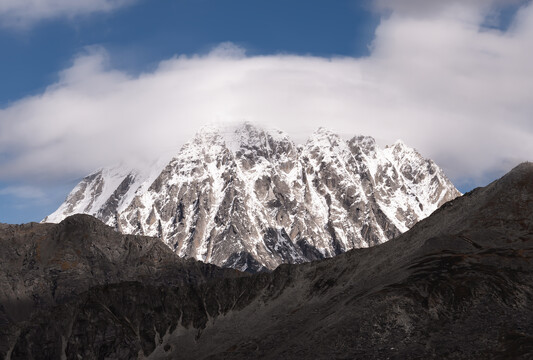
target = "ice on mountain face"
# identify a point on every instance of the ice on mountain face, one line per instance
(91, 193)
(250, 198)
(106, 192)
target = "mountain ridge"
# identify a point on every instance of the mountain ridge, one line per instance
(252, 196)
(456, 285)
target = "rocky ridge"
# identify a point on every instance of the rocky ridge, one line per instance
(458, 285)
(47, 265)
(251, 199)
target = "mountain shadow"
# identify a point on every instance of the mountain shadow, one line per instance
(458, 285)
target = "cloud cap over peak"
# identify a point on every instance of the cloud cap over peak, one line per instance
(461, 96)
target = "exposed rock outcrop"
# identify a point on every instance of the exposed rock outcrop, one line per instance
(254, 193)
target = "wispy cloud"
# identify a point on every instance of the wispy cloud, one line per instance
(437, 8)
(23, 192)
(24, 13)
(459, 93)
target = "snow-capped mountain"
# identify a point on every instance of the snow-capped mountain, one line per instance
(250, 198)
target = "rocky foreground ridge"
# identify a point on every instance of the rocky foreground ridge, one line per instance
(251, 199)
(458, 285)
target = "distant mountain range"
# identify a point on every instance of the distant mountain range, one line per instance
(251, 199)
(458, 285)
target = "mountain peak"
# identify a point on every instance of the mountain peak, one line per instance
(441, 283)
(521, 176)
(239, 135)
(324, 138)
(368, 143)
(521, 170)
(239, 192)
(399, 146)
(400, 151)
(324, 132)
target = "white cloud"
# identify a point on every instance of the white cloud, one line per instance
(460, 94)
(22, 13)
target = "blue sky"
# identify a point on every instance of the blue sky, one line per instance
(389, 69)
(144, 33)
(138, 36)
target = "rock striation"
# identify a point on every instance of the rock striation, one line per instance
(252, 199)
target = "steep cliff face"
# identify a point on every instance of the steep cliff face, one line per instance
(251, 199)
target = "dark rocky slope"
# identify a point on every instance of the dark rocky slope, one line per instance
(458, 285)
(46, 265)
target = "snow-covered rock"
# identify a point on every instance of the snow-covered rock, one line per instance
(251, 198)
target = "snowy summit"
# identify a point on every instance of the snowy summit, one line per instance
(250, 198)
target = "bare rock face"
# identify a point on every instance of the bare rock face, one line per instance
(249, 197)
(458, 285)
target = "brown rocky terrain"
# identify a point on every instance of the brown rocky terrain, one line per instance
(458, 285)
